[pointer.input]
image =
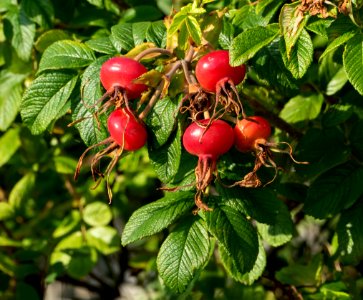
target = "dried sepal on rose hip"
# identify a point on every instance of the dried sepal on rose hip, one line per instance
(215, 75)
(251, 135)
(208, 143)
(127, 132)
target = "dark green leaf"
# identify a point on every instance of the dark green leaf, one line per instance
(40, 11)
(166, 159)
(90, 129)
(45, 98)
(336, 189)
(157, 34)
(302, 108)
(155, 216)
(161, 120)
(337, 114)
(353, 62)
(336, 43)
(97, 214)
(319, 26)
(236, 234)
(66, 54)
(122, 37)
(183, 254)
(301, 55)
(9, 144)
(350, 239)
(246, 17)
(249, 42)
(251, 276)
(356, 139)
(142, 13)
(102, 45)
(26, 291)
(23, 33)
(139, 31)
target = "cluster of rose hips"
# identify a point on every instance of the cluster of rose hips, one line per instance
(212, 102)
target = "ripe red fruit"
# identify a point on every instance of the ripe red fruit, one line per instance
(121, 72)
(208, 143)
(212, 143)
(126, 130)
(250, 129)
(214, 67)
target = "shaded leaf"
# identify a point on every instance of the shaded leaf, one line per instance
(336, 43)
(70, 222)
(184, 252)
(6, 211)
(40, 11)
(20, 193)
(155, 216)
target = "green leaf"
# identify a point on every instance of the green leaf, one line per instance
(45, 98)
(64, 164)
(20, 193)
(7, 265)
(105, 239)
(319, 26)
(97, 214)
(102, 45)
(166, 159)
(291, 24)
(9, 144)
(139, 31)
(6, 211)
(320, 158)
(161, 120)
(49, 37)
(227, 34)
(355, 138)
(156, 216)
(353, 62)
(26, 291)
(236, 234)
(350, 239)
(334, 290)
(301, 55)
(23, 33)
(90, 130)
(194, 29)
(122, 37)
(249, 42)
(156, 34)
(66, 54)
(41, 11)
(279, 233)
(334, 190)
(337, 114)
(250, 277)
(183, 254)
(69, 223)
(246, 18)
(302, 108)
(10, 97)
(337, 82)
(301, 275)
(336, 43)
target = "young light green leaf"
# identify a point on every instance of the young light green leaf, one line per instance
(64, 164)
(166, 159)
(250, 277)
(350, 237)
(184, 252)
(337, 42)
(45, 98)
(21, 191)
(161, 120)
(66, 54)
(155, 216)
(104, 238)
(302, 108)
(23, 32)
(301, 55)
(337, 82)
(236, 234)
(97, 214)
(194, 29)
(6, 211)
(353, 62)
(292, 24)
(249, 42)
(9, 144)
(336, 189)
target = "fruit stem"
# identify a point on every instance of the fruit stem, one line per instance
(152, 50)
(158, 91)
